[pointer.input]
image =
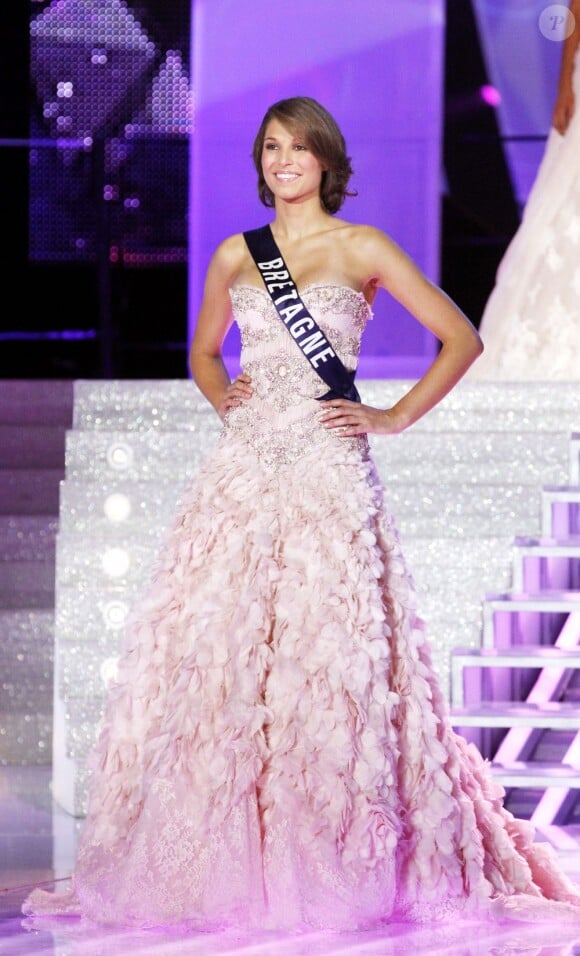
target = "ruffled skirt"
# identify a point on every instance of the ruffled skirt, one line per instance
(275, 751)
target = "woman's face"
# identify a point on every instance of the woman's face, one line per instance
(292, 172)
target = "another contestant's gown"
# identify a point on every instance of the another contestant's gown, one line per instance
(276, 751)
(531, 322)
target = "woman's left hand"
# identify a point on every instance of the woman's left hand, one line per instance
(352, 418)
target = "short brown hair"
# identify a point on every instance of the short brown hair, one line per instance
(306, 117)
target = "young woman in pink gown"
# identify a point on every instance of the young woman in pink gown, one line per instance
(276, 750)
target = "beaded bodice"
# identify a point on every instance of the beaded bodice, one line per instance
(282, 413)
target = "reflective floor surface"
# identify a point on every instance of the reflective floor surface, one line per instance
(37, 846)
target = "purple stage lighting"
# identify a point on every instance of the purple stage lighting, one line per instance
(490, 95)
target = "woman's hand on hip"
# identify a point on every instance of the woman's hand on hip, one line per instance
(348, 418)
(237, 392)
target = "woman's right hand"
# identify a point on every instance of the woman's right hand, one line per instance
(237, 392)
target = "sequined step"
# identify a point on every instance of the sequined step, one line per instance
(133, 405)
(523, 404)
(465, 458)
(452, 510)
(421, 509)
(137, 404)
(480, 459)
(151, 454)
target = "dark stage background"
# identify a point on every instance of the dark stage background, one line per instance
(95, 190)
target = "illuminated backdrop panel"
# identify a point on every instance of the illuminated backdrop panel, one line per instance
(110, 131)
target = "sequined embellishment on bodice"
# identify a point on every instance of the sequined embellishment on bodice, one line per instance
(280, 419)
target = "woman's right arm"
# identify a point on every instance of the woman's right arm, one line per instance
(565, 100)
(213, 322)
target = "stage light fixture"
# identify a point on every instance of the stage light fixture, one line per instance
(117, 507)
(116, 562)
(109, 669)
(115, 614)
(120, 456)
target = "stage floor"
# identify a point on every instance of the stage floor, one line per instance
(38, 841)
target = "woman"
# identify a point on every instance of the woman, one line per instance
(531, 322)
(276, 751)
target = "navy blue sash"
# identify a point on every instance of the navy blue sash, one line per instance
(310, 339)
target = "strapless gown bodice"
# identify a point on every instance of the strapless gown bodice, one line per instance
(282, 415)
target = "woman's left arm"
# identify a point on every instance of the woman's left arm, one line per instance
(565, 100)
(460, 341)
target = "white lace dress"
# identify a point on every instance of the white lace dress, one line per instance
(531, 323)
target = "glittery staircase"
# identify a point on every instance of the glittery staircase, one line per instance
(463, 482)
(34, 417)
(518, 697)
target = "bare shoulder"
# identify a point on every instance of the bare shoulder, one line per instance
(372, 253)
(364, 238)
(229, 255)
(371, 237)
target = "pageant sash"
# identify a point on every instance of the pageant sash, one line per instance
(310, 339)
